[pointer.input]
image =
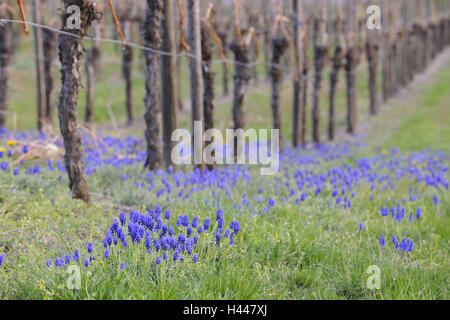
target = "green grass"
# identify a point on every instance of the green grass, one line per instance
(306, 251)
(419, 130)
(309, 251)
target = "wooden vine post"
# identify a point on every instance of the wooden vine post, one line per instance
(372, 53)
(151, 34)
(240, 49)
(279, 46)
(405, 9)
(49, 47)
(6, 36)
(304, 75)
(127, 63)
(70, 53)
(320, 56)
(336, 65)
(350, 65)
(169, 78)
(296, 112)
(208, 76)
(223, 35)
(92, 59)
(196, 78)
(386, 54)
(39, 65)
(182, 46)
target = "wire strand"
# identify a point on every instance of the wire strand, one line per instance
(155, 51)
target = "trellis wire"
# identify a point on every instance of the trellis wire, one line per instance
(155, 51)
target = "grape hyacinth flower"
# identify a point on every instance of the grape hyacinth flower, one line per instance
(404, 244)
(2, 258)
(123, 218)
(195, 222)
(158, 260)
(184, 220)
(418, 212)
(48, 263)
(164, 229)
(220, 223)
(206, 224)
(361, 225)
(181, 238)
(148, 241)
(236, 226)
(106, 253)
(76, 255)
(395, 241)
(435, 200)
(59, 262)
(114, 225)
(86, 262)
(90, 246)
(195, 257)
(381, 241)
(157, 243)
(109, 238)
(219, 214)
(122, 265)
(410, 245)
(218, 236)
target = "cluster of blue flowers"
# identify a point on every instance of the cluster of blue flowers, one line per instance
(381, 172)
(399, 212)
(406, 244)
(2, 258)
(300, 180)
(153, 231)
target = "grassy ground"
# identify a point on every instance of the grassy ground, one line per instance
(307, 250)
